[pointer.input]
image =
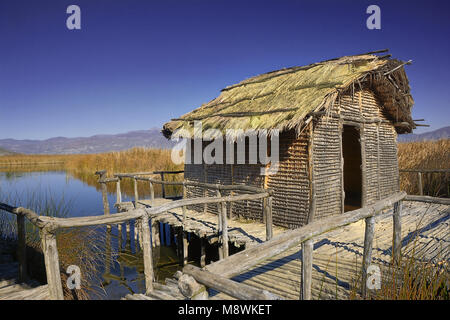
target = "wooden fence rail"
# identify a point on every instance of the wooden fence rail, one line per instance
(421, 172)
(246, 259)
(49, 226)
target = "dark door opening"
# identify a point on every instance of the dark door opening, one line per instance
(351, 150)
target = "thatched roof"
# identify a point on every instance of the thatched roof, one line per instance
(283, 99)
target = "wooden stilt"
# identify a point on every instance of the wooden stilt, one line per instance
(185, 248)
(147, 253)
(202, 252)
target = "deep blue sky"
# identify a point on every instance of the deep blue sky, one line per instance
(135, 64)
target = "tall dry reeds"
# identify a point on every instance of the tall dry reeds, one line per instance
(425, 155)
(82, 247)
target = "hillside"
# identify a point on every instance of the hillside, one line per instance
(442, 133)
(4, 152)
(95, 144)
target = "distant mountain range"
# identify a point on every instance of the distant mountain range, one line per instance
(4, 152)
(152, 138)
(442, 133)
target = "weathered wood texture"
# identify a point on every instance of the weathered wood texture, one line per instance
(227, 286)
(244, 260)
(337, 255)
(50, 251)
(205, 225)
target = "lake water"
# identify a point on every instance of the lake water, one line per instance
(122, 270)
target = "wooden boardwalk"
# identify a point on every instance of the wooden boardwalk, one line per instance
(205, 225)
(337, 256)
(10, 287)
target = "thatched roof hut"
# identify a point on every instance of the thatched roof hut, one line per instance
(338, 121)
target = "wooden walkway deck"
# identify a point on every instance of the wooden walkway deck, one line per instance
(205, 225)
(337, 256)
(10, 287)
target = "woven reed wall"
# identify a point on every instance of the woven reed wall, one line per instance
(381, 162)
(327, 167)
(225, 174)
(291, 183)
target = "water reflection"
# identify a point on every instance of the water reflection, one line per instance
(122, 270)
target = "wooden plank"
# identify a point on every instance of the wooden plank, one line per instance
(428, 199)
(50, 250)
(230, 287)
(245, 259)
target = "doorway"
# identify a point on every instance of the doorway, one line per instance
(351, 151)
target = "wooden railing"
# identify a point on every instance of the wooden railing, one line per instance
(422, 172)
(217, 274)
(219, 189)
(48, 227)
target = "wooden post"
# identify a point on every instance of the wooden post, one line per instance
(202, 252)
(118, 191)
(269, 222)
(363, 168)
(162, 186)
(224, 230)
(50, 250)
(102, 175)
(419, 175)
(22, 248)
(397, 236)
(136, 194)
(205, 192)
(219, 226)
(185, 247)
(184, 207)
(367, 258)
(155, 234)
(307, 257)
(147, 253)
(152, 193)
(136, 229)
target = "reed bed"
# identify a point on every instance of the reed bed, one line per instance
(82, 246)
(83, 167)
(425, 155)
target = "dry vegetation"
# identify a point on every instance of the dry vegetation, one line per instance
(425, 155)
(83, 166)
